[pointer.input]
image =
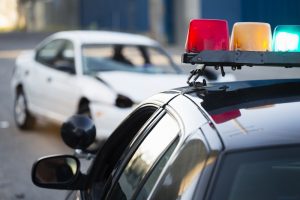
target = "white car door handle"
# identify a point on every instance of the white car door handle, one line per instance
(49, 79)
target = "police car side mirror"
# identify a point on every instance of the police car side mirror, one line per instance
(78, 132)
(57, 172)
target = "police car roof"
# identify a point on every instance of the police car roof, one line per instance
(251, 114)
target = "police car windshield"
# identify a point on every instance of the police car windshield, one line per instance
(130, 58)
(260, 174)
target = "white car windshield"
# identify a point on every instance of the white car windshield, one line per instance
(142, 59)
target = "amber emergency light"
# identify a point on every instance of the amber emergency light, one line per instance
(207, 34)
(251, 36)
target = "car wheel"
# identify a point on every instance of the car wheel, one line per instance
(84, 109)
(23, 118)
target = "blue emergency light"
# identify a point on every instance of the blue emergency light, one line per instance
(286, 38)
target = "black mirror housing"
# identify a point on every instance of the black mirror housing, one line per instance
(58, 172)
(78, 132)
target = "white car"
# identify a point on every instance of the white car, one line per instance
(97, 73)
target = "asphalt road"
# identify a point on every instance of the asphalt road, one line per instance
(18, 150)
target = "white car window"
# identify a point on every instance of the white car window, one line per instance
(68, 51)
(143, 59)
(157, 58)
(48, 53)
(133, 54)
(58, 54)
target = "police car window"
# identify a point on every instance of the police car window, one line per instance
(180, 179)
(262, 175)
(146, 188)
(147, 154)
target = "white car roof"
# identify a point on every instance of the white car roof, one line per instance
(105, 37)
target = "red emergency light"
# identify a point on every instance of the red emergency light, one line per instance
(226, 116)
(207, 34)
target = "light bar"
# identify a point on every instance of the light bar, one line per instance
(207, 34)
(251, 36)
(243, 58)
(250, 45)
(286, 38)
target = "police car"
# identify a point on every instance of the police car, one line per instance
(229, 141)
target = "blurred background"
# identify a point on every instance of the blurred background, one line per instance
(24, 23)
(163, 20)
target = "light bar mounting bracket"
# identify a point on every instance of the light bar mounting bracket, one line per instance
(237, 59)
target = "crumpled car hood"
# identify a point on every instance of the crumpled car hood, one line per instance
(139, 86)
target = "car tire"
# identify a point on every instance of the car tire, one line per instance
(24, 120)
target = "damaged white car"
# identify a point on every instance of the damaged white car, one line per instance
(97, 73)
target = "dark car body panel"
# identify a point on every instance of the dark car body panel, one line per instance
(268, 111)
